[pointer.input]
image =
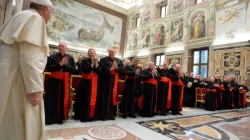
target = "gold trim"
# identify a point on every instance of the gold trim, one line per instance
(72, 94)
(44, 74)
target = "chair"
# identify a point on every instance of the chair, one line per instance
(46, 76)
(74, 82)
(200, 95)
(119, 93)
(204, 92)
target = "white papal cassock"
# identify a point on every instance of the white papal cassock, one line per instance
(23, 56)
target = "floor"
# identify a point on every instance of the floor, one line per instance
(193, 124)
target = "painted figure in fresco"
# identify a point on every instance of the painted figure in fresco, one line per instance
(177, 4)
(159, 37)
(146, 39)
(177, 31)
(198, 27)
(230, 16)
(95, 34)
(134, 41)
(146, 15)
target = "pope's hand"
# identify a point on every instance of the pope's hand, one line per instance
(36, 98)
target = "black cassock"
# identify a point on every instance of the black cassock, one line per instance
(210, 100)
(83, 92)
(79, 70)
(189, 93)
(219, 94)
(54, 97)
(236, 94)
(243, 103)
(163, 92)
(149, 92)
(107, 107)
(131, 92)
(176, 92)
(227, 95)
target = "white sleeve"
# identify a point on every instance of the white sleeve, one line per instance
(32, 61)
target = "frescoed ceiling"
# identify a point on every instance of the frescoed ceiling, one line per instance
(126, 4)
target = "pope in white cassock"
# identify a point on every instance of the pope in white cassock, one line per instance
(23, 56)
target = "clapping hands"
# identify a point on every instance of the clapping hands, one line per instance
(64, 61)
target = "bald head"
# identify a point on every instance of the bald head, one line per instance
(91, 54)
(112, 53)
(178, 67)
(62, 48)
(217, 76)
(165, 65)
(127, 62)
(136, 61)
(151, 65)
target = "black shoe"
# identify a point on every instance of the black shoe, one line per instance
(59, 122)
(163, 114)
(48, 123)
(124, 116)
(132, 115)
(83, 120)
(112, 118)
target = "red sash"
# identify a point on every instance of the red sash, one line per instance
(180, 83)
(153, 82)
(93, 77)
(65, 77)
(244, 100)
(232, 94)
(212, 90)
(167, 80)
(222, 88)
(131, 77)
(115, 73)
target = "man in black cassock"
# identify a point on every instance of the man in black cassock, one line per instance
(149, 90)
(219, 91)
(163, 90)
(189, 92)
(197, 82)
(210, 101)
(132, 89)
(111, 67)
(79, 65)
(55, 109)
(177, 76)
(226, 95)
(243, 90)
(86, 96)
(236, 92)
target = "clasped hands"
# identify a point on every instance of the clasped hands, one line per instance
(94, 62)
(114, 66)
(154, 72)
(64, 61)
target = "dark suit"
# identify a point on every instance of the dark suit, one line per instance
(107, 106)
(55, 91)
(149, 93)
